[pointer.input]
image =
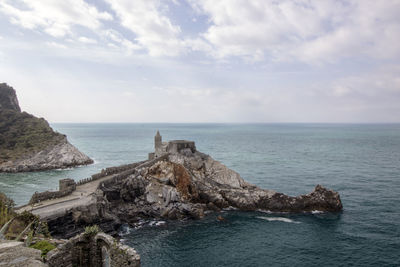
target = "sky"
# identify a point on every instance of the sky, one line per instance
(203, 60)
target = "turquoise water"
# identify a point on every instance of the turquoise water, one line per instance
(362, 162)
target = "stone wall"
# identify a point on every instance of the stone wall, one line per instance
(109, 171)
(177, 145)
(66, 187)
(90, 251)
(144, 164)
(67, 184)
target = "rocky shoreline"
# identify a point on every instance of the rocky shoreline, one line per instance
(180, 183)
(60, 156)
(28, 143)
(177, 182)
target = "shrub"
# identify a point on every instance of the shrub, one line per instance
(44, 246)
(91, 230)
(6, 209)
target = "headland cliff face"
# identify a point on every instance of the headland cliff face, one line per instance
(176, 182)
(28, 143)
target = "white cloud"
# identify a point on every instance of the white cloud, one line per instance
(120, 40)
(153, 29)
(56, 18)
(86, 40)
(310, 31)
(380, 84)
(56, 45)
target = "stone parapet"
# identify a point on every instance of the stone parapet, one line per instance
(89, 251)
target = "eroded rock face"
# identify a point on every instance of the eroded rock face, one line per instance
(8, 98)
(28, 143)
(187, 185)
(59, 156)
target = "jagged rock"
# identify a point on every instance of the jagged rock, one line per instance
(14, 254)
(184, 184)
(28, 143)
(8, 98)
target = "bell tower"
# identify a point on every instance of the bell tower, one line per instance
(157, 142)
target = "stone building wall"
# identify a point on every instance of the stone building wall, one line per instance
(67, 184)
(91, 251)
(66, 187)
(178, 145)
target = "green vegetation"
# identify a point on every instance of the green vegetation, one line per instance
(6, 209)
(43, 245)
(22, 133)
(23, 225)
(91, 230)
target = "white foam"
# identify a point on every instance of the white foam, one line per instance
(316, 212)
(229, 208)
(66, 169)
(32, 185)
(156, 223)
(265, 211)
(6, 185)
(277, 219)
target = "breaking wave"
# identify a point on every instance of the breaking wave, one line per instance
(277, 219)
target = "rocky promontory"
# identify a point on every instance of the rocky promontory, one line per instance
(176, 182)
(28, 143)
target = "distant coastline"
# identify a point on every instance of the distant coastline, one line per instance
(28, 143)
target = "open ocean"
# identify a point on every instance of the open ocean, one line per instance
(360, 161)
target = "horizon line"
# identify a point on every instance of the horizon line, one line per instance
(224, 122)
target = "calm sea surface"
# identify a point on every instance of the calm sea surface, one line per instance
(362, 162)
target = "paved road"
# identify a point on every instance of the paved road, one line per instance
(83, 195)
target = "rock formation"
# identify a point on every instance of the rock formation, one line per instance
(181, 183)
(28, 143)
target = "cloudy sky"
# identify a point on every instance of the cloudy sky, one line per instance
(203, 60)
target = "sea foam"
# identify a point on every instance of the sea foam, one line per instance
(279, 219)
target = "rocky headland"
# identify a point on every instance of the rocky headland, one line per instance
(176, 182)
(28, 143)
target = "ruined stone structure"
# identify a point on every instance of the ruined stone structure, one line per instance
(66, 187)
(67, 184)
(92, 251)
(175, 146)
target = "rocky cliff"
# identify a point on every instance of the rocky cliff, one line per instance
(28, 143)
(181, 185)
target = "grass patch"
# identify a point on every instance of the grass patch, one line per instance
(44, 246)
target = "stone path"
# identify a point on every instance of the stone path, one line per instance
(83, 195)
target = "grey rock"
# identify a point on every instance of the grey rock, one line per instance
(8, 98)
(197, 184)
(60, 156)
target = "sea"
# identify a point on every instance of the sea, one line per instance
(360, 161)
